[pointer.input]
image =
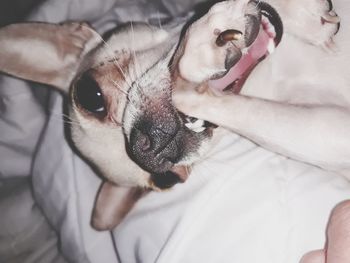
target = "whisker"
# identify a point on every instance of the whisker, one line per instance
(115, 61)
(135, 60)
(60, 118)
(63, 116)
(159, 21)
(133, 50)
(66, 119)
(119, 87)
(124, 93)
(71, 123)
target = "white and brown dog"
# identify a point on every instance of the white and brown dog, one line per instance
(120, 90)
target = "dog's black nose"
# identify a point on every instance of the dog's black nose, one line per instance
(156, 145)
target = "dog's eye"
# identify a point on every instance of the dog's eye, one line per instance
(89, 96)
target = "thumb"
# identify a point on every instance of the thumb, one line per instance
(317, 256)
(338, 234)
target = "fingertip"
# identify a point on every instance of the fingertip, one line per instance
(317, 256)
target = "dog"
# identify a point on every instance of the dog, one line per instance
(120, 89)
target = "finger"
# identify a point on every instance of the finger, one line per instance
(338, 234)
(317, 256)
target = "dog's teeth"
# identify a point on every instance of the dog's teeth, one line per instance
(198, 130)
(199, 123)
(197, 126)
(245, 50)
(271, 46)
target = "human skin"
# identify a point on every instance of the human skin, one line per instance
(337, 245)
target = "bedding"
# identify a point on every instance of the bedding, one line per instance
(240, 204)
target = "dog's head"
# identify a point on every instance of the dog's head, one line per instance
(119, 92)
(119, 95)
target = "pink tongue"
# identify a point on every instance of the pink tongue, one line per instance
(256, 51)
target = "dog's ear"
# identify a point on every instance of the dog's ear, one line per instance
(45, 53)
(112, 205)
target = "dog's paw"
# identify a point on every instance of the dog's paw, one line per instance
(214, 43)
(190, 102)
(314, 21)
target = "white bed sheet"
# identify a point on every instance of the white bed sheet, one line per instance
(243, 204)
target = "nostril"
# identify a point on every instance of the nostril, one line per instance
(145, 142)
(142, 141)
(155, 144)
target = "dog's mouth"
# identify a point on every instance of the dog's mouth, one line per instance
(163, 150)
(178, 172)
(269, 31)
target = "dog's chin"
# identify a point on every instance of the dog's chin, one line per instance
(265, 43)
(163, 181)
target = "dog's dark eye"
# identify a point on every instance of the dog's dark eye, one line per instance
(89, 96)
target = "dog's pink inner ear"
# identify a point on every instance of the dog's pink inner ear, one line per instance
(45, 53)
(112, 204)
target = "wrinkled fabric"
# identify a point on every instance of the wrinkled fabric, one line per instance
(25, 235)
(242, 204)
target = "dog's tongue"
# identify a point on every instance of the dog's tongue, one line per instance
(259, 48)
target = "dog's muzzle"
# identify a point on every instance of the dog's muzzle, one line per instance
(160, 141)
(156, 145)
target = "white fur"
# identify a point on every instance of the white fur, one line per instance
(296, 102)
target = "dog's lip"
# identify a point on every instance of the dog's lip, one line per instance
(182, 171)
(272, 15)
(177, 174)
